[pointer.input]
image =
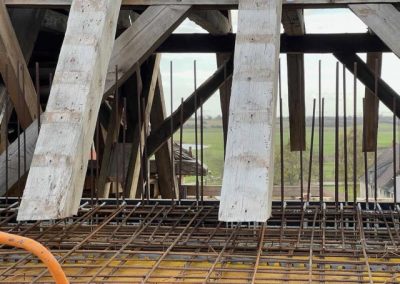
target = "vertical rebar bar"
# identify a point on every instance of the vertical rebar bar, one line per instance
(172, 123)
(24, 116)
(19, 132)
(123, 150)
(355, 136)
(37, 81)
(320, 133)
(346, 182)
(365, 162)
(281, 137)
(97, 142)
(311, 152)
(201, 153)
(394, 153)
(322, 152)
(337, 136)
(301, 179)
(180, 151)
(7, 115)
(116, 94)
(376, 140)
(195, 131)
(91, 175)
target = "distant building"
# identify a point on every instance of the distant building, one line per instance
(384, 169)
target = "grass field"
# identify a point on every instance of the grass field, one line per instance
(214, 151)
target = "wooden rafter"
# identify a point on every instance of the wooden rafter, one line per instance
(139, 135)
(383, 20)
(166, 175)
(55, 181)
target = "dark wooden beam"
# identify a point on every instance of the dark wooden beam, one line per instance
(310, 43)
(367, 77)
(160, 136)
(207, 43)
(371, 106)
(167, 181)
(293, 24)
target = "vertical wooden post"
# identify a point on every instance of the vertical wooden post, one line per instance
(248, 174)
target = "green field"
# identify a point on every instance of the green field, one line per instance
(214, 150)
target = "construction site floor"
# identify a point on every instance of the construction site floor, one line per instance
(137, 241)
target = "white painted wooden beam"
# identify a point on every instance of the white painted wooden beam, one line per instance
(55, 181)
(249, 163)
(149, 30)
(383, 20)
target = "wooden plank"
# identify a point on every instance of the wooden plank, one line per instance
(149, 85)
(113, 128)
(209, 3)
(20, 87)
(248, 172)
(293, 24)
(138, 42)
(167, 181)
(159, 136)
(383, 20)
(370, 125)
(55, 181)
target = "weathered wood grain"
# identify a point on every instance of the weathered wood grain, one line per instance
(383, 20)
(55, 181)
(248, 172)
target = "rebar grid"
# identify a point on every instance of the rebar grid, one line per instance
(162, 242)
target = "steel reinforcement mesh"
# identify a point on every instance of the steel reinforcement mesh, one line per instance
(161, 242)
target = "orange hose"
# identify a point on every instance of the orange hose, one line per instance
(40, 251)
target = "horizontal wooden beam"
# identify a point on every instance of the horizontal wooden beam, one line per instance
(310, 43)
(202, 3)
(161, 135)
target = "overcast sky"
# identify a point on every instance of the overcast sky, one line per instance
(317, 21)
